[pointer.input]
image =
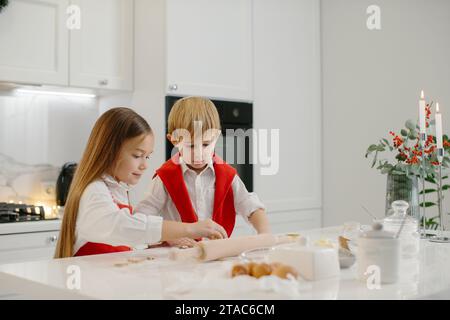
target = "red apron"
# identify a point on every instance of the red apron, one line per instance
(224, 212)
(91, 248)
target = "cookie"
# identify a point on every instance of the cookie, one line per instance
(239, 270)
(260, 270)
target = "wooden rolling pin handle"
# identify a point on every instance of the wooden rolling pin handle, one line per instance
(280, 239)
(185, 254)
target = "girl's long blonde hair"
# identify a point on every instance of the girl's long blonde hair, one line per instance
(110, 131)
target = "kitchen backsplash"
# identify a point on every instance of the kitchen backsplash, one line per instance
(38, 134)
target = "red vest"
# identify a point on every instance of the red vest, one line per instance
(91, 248)
(223, 213)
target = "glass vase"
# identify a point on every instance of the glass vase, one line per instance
(403, 187)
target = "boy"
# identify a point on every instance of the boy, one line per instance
(195, 184)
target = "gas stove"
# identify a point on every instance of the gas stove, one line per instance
(13, 212)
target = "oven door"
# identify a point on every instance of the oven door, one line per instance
(235, 150)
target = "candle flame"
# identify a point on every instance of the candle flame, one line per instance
(422, 95)
(437, 107)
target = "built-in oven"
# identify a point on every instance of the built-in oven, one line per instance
(235, 143)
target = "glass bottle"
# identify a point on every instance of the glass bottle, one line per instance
(409, 234)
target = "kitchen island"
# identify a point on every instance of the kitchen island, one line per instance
(150, 274)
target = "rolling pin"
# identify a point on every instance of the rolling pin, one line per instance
(216, 249)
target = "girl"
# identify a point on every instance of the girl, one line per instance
(98, 217)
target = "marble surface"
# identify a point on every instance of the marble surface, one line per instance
(115, 276)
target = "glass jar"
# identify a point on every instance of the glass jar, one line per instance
(409, 234)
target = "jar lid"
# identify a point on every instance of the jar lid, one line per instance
(400, 217)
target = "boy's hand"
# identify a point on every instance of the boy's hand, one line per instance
(182, 242)
(207, 229)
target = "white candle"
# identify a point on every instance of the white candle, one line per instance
(422, 105)
(438, 119)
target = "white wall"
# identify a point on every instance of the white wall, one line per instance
(371, 84)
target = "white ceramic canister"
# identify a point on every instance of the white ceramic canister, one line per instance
(378, 255)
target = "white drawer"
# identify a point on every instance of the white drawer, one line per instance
(30, 226)
(22, 247)
(25, 241)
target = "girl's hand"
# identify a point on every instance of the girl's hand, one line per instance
(182, 242)
(207, 229)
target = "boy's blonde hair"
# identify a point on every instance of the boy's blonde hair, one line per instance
(188, 110)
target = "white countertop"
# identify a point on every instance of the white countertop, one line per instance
(100, 278)
(30, 226)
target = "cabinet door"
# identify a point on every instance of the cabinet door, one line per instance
(288, 98)
(209, 48)
(34, 42)
(27, 246)
(101, 50)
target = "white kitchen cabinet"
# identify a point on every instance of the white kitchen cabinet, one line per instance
(287, 97)
(285, 89)
(209, 48)
(34, 42)
(27, 246)
(28, 241)
(268, 52)
(101, 51)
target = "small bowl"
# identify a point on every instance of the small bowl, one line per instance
(346, 258)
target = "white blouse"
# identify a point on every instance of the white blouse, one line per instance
(100, 219)
(201, 188)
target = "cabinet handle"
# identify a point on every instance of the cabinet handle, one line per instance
(173, 87)
(53, 238)
(103, 82)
